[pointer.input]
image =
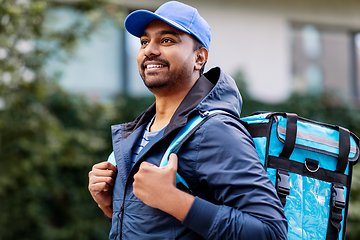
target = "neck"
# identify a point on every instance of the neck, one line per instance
(165, 109)
(166, 105)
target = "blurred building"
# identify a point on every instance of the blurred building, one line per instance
(279, 46)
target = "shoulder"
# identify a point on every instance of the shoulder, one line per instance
(225, 127)
(223, 137)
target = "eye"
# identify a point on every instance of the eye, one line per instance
(168, 40)
(144, 42)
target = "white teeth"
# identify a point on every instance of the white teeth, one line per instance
(154, 66)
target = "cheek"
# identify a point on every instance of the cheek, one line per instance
(139, 58)
(188, 59)
(182, 58)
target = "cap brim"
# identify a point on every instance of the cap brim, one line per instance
(137, 21)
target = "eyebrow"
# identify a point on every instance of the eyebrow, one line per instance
(162, 32)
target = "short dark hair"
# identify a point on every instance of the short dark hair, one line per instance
(198, 45)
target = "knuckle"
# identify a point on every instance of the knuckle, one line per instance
(172, 169)
(106, 187)
(142, 166)
(136, 177)
(110, 181)
(90, 187)
(108, 164)
(94, 167)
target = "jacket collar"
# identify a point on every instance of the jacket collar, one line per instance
(197, 93)
(139, 121)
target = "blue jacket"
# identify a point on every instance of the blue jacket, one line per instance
(234, 197)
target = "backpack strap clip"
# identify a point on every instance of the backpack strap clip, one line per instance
(283, 185)
(337, 205)
(338, 199)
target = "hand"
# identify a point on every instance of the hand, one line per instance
(101, 182)
(156, 187)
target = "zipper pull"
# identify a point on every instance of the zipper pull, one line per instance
(121, 210)
(204, 114)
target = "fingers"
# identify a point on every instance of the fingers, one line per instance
(104, 166)
(145, 164)
(172, 164)
(102, 176)
(152, 183)
(101, 181)
(99, 184)
(102, 173)
(99, 187)
(103, 169)
(173, 161)
(97, 179)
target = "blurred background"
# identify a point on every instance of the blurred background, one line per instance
(68, 71)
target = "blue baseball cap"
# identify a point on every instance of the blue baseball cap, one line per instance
(176, 14)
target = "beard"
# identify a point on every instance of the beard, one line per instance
(163, 81)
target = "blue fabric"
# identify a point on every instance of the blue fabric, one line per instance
(190, 125)
(318, 131)
(260, 146)
(176, 14)
(111, 158)
(143, 140)
(141, 143)
(235, 198)
(307, 206)
(300, 155)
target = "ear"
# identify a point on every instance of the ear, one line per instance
(201, 57)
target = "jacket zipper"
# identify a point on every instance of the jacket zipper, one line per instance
(122, 209)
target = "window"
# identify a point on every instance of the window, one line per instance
(322, 60)
(357, 66)
(103, 65)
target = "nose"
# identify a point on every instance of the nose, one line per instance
(152, 49)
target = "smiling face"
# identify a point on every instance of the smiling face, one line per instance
(167, 61)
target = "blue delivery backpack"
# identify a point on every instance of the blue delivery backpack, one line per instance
(310, 164)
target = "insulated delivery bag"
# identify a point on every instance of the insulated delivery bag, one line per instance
(310, 164)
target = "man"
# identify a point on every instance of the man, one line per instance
(232, 196)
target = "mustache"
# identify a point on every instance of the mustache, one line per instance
(154, 58)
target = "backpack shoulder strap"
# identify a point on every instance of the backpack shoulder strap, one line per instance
(191, 126)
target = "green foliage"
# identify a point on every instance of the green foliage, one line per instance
(49, 139)
(128, 108)
(45, 159)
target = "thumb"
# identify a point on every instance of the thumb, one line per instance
(173, 161)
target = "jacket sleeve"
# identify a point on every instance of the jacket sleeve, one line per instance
(240, 201)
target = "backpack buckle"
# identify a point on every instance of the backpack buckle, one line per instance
(283, 184)
(338, 199)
